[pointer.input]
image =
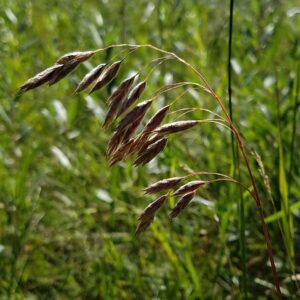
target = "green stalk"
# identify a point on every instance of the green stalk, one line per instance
(295, 111)
(236, 160)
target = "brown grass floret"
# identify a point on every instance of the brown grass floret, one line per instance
(134, 95)
(181, 204)
(77, 55)
(148, 213)
(90, 77)
(151, 152)
(109, 74)
(190, 187)
(162, 185)
(176, 126)
(41, 78)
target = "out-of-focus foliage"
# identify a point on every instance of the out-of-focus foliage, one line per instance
(67, 220)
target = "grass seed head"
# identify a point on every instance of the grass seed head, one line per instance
(77, 55)
(181, 204)
(176, 126)
(161, 185)
(62, 72)
(151, 152)
(90, 77)
(148, 213)
(40, 78)
(189, 187)
(134, 95)
(121, 90)
(137, 112)
(109, 74)
(156, 120)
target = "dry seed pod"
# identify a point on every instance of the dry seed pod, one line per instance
(130, 130)
(176, 126)
(181, 204)
(66, 69)
(123, 135)
(40, 78)
(151, 152)
(134, 94)
(142, 144)
(189, 187)
(156, 120)
(77, 55)
(136, 113)
(115, 100)
(142, 141)
(90, 77)
(148, 214)
(122, 90)
(121, 152)
(161, 185)
(114, 142)
(143, 225)
(111, 113)
(108, 75)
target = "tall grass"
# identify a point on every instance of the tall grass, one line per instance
(152, 139)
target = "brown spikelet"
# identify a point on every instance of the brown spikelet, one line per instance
(90, 77)
(181, 204)
(151, 152)
(161, 185)
(137, 112)
(130, 130)
(156, 120)
(189, 187)
(176, 126)
(148, 214)
(122, 90)
(134, 94)
(115, 100)
(108, 75)
(143, 143)
(127, 126)
(62, 72)
(112, 110)
(77, 55)
(121, 152)
(114, 142)
(40, 79)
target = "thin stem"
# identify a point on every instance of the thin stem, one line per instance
(191, 109)
(295, 111)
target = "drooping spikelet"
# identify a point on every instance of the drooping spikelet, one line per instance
(40, 79)
(176, 127)
(148, 214)
(109, 74)
(134, 95)
(115, 100)
(162, 185)
(189, 187)
(62, 72)
(79, 56)
(151, 152)
(181, 204)
(156, 120)
(137, 112)
(122, 89)
(90, 77)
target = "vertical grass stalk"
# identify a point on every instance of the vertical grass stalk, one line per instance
(235, 159)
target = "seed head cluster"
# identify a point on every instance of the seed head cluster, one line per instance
(129, 115)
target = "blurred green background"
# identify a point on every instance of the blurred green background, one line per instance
(67, 220)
